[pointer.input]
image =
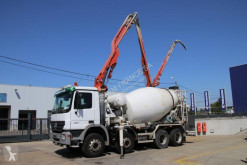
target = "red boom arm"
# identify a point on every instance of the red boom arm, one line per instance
(107, 70)
(162, 67)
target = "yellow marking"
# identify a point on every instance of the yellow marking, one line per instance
(188, 161)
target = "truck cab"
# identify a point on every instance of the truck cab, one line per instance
(76, 111)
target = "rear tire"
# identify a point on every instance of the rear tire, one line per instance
(161, 139)
(129, 143)
(94, 145)
(176, 137)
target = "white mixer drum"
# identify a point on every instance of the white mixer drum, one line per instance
(149, 104)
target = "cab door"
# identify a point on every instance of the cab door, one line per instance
(83, 110)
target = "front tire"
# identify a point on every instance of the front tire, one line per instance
(176, 137)
(94, 145)
(161, 139)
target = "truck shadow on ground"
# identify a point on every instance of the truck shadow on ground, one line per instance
(64, 152)
(188, 142)
(245, 161)
(150, 146)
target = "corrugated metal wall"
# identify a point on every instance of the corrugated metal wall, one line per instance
(40, 99)
(239, 88)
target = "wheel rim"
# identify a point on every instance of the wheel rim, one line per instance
(94, 145)
(163, 139)
(178, 137)
(127, 142)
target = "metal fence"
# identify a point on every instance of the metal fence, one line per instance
(28, 129)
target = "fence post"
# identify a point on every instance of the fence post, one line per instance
(29, 126)
(48, 124)
(22, 126)
(40, 126)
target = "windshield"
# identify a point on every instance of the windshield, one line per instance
(62, 102)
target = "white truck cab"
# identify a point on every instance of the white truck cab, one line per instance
(76, 109)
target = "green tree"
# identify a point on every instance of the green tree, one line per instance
(193, 113)
(216, 106)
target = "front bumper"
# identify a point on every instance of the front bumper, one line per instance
(63, 138)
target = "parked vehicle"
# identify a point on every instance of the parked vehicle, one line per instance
(87, 119)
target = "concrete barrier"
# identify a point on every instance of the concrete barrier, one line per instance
(223, 125)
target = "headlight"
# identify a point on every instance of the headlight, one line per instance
(63, 137)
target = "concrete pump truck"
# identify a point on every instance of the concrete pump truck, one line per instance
(87, 119)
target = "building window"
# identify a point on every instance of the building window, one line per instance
(3, 97)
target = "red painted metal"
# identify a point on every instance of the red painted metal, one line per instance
(162, 67)
(110, 64)
(199, 127)
(144, 62)
(107, 69)
(204, 127)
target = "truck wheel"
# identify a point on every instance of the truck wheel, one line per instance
(128, 141)
(161, 139)
(73, 149)
(93, 145)
(176, 137)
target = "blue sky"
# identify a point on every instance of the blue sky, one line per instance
(76, 36)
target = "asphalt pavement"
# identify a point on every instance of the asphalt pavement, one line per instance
(200, 150)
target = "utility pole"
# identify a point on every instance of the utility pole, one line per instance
(176, 83)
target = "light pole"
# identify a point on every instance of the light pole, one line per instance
(176, 83)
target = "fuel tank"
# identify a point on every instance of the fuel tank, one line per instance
(145, 105)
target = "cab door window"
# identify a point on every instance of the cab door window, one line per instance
(83, 100)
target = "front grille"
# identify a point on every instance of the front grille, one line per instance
(57, 126)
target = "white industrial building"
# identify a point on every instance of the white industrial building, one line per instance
(17, 101)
